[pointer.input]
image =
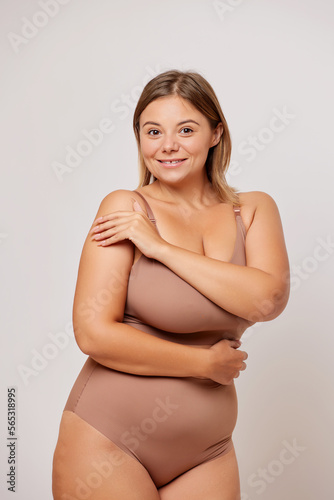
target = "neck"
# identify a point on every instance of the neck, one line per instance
(187, 193)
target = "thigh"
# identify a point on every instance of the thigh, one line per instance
(88, 466)
(217, 479)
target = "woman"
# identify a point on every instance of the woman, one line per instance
(167, 284)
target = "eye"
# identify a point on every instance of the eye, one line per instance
(187, 130)
(153, 131)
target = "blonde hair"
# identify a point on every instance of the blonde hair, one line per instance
(195, 89)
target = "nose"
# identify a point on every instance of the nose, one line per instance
(170, 144)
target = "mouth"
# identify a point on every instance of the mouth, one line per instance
(172, 163)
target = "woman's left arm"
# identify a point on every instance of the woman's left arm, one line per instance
(258, 291)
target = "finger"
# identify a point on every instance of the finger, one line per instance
(109, 241)
(104, 221)
(102, 229)
(115, 235)
(110, 228)
(98, 224)
(243, 355)
(243, 366)
(98, 219)
(106, 243)
(111, 236)
(234, 343)
(102, 236)
(111, 215)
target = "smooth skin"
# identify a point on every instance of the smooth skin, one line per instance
(195, 240)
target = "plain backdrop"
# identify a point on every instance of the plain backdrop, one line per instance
(71, 66)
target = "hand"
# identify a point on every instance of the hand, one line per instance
(225, 361)
(134, 226)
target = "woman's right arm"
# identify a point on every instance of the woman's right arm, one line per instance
(98, 311)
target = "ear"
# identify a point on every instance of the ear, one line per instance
(217, 133)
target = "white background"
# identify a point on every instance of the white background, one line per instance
(79, 67)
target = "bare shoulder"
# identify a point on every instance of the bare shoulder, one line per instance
(120, 198)
(253, 201)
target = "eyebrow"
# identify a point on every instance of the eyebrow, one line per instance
(180, 123)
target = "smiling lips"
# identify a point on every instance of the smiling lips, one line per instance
(172, 163)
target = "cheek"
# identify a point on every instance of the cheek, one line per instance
(198, 149)
(148, 148)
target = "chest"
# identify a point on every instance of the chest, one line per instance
(210, 232)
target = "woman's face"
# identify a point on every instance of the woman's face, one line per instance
(175, 139)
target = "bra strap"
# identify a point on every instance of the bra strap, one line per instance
(148, 208)
(238, 218)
